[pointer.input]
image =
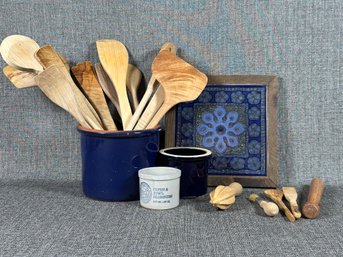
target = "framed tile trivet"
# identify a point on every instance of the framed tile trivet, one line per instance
(236, 118)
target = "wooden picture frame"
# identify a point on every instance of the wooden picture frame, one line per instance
(235, 96)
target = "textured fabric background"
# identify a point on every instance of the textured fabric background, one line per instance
(300, 41)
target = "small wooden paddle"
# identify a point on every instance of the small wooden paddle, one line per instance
(276, 196)
(114, 59)
(153, 83)
(18, 51)
(291, 195)
(133, 80)
(181, 82)
(85, 75)
(19, 78)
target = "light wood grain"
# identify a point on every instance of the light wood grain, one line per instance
(114, 59)
(54, 85)
(107, 86)
(47, 56)
(269, 208)
(133, 81)
(291, 195)
(18, 51)
(276, 196)
(19, 78)
(311, 208)
(181, 82)
(85, 75)
(151, 87)
(223, 197)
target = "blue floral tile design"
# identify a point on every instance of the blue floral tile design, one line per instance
(229, 120)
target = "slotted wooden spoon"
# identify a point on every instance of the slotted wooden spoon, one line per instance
(85, 75)
(152, 85)
(114, 59)
(18, 51)
(181, 82)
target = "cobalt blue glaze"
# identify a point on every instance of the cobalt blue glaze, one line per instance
(193, 163)
(111, 160)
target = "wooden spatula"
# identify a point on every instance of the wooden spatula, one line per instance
(85, 75)
(56, 87)
(47, 56)
(107, 86)
(152, 85)
(114, 59)
(276, 196)
(181, 82)
(133, 80)
(19, 78)
(291, 195)
(18, 51)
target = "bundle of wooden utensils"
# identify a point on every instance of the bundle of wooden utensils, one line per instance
(81, 92)
(222, 197)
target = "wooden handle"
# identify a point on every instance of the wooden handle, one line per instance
(236, 188)
(311, 208)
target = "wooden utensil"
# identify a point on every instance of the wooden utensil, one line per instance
(19, 78)
(47, 56)
(153, 83)
(181, 82)
(85, 75)
(56, 87)
(269, 208)
(151, 109)
(18, 51)
(223, 197)
(133, 80)
(311, 208)
(291, 195)
(114, 59)
(276, 196)
(107, 86)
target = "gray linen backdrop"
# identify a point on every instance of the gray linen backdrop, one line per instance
(43, 212)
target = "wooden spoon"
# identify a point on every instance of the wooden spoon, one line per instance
(47, 56)
(19, 78)
(133, 80)
(181, 82)
(291, 195)
(269, 208)
(276, 196)
(85, 75)
(56, 87)
(153, 83)
(18, 51)
(107, 86)
(114, 59)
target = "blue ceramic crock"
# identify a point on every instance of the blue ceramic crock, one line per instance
(111, 160)
(193, 163)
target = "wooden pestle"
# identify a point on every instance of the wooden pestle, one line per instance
(311, 208)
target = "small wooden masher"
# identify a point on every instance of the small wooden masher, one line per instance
(311, 208)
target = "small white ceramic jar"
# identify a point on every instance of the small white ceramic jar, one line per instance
(159, 187)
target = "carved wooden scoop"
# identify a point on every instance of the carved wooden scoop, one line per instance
(181, 82)
(276, 196)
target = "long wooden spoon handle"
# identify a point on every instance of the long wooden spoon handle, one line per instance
(142, 104)
(158, 116)
(153, 106)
